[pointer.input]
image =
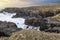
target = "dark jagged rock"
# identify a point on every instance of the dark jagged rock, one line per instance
(52, 22)
(35, 13)
(37, 22)
(52, 31)
(2, 34)
(30, 12)
(35, 17)
(44, 23)
(33, 21)
(6, 28)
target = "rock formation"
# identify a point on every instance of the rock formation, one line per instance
(6, 28)
(35, 17)
(30, 12)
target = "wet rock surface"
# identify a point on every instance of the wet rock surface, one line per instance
(6, 28)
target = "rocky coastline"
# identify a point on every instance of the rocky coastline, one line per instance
(33, 17)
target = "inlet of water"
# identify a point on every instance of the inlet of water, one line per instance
(5, 16)
(8, 18)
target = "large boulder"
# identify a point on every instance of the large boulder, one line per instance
(6, 28)
(33, 21)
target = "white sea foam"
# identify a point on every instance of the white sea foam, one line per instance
(8, 18)
(18, 21)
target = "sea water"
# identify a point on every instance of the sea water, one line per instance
(5, 16)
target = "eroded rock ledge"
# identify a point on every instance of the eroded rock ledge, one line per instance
(6, 28)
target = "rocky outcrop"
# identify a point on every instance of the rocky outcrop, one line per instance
(35, 17)
(44, 23)
(30, 12)
(6, 28)
(53, 22)
(36, 22)
(35, 13)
